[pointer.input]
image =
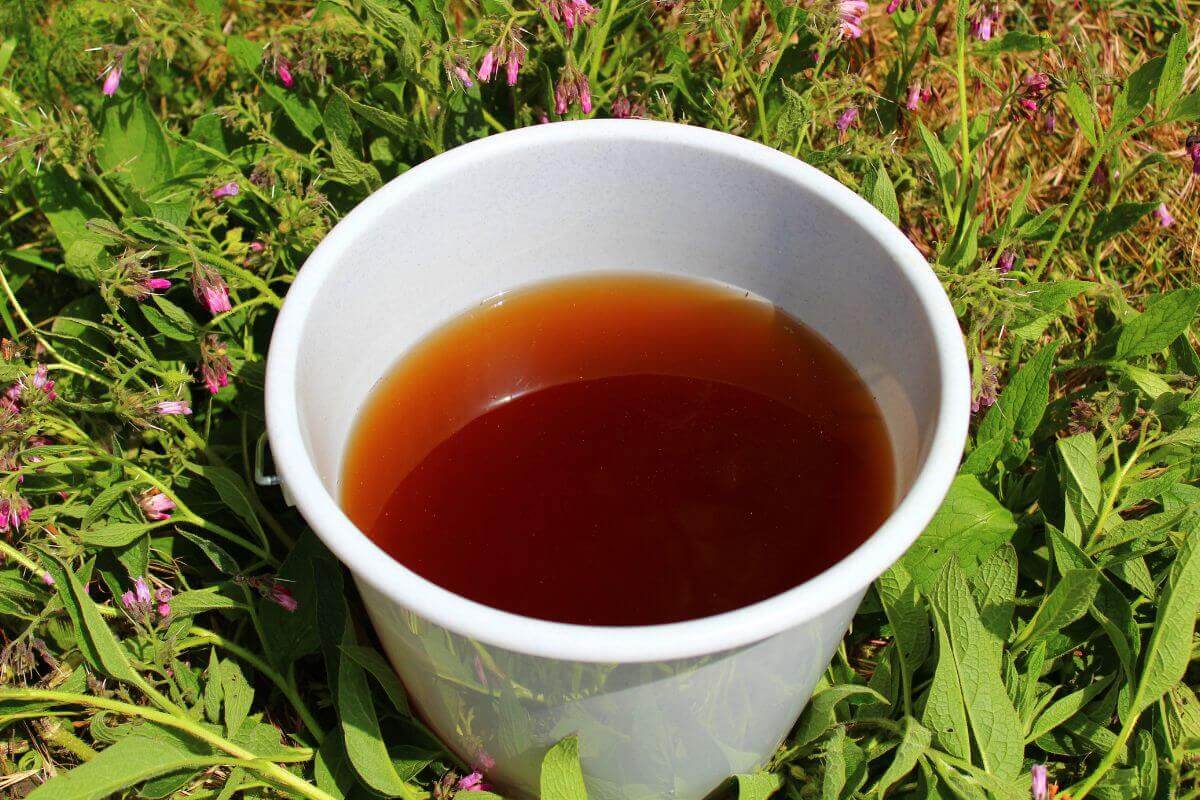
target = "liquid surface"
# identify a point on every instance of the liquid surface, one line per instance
(620, 450)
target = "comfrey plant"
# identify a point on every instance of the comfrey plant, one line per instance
(169, 628)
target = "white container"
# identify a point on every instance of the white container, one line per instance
(661, 710)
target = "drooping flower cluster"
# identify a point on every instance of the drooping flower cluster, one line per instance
(626, 107)
(985, 22)
(1006, 262)
(214, 363)
(570, 12)
(846, 119)
(850, 14)
(141, 604)
(573, 87)
(283, 69)
(458, 70)
(14, 512)
(917, 94)
(1192, 147)
(988, 387)
(510, 53)
(210, 289)
(1033, 92)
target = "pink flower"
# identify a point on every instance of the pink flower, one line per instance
(850, 14)
(488, 65)
(156, 505)
(40, 382)
(472, 783)
(572, 87)
(151, 285)
(1163, 214)
(112, 81)
(571, 12)
(210, 289)
(282, 597)
(984, 22)
(214, 363)
(284, 70)
(226, 190)
(168, 408)
(896, 5)
(1049, 122)
(988, 388)
(1192, 147)
(1039, 788)
(257, 247)
(163, 596)
(47, 579)
(14, 512)
(625, 107)
(1005, 263)
(458, 72)
(128, 600)
(141, 591)
(914, 97)
(846, 119)
(484, 761)
(512, 64)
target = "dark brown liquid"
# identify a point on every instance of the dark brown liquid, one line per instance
(620, 450)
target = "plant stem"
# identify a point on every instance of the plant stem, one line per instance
(242, 757)
(1076, 199)
(1080, 790)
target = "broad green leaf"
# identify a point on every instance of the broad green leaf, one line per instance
(878, 189)
(1170, 84)
(1187, 109)
(238, 694)
(1038, 225)
(1147, 382)
(995, 590)
(1068, 601)
(561, 776)
(1159, 325)
(1080, 462)
(127, 763)
(169, 319)
(370, 660)
(971, 524)
(364, 741)
(1118, 219)
(1138, 89)
(759, 786)
(993, 719)
(1021, 405)
(1083, 109)
(906, 614)
(386, 121)
(945, 713)
(1169, 649)
(197, 601)
(132, 145)
(234, 494)
(1066, 707)
(915, 742)
(117, 534)
(1147, 764)
(820, 714)
(96, 641)
(332, 770)
(68, 211)
(944, 171)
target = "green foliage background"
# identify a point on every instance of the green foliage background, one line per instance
(1045, 617)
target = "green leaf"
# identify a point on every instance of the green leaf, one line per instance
(364, 741)
(945, 711)
(68, 211)
(1065, 708)
(1015, 42)
(370, 660)
(759, 786)
(878, 189)
(1159, 325)
(562, 776)
(132, 145)
(1083, 109)
(906, 614)
(820, 713)
(1080, 460)
(995, 591)
(117, 534)
(1169, 649)
(994, 723)
(197, 601)
(238, 695)
(914, 744)
(1136, 93)
(1069, 601)
(1118, 219)
(127, 763)
(96, 641)
(169, 319)
(389, 123)
(1147, 382)
(944, 171)
(1170, 84)
(1020, 407)
(1187, 109)
(234, 494)
(970, 524)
